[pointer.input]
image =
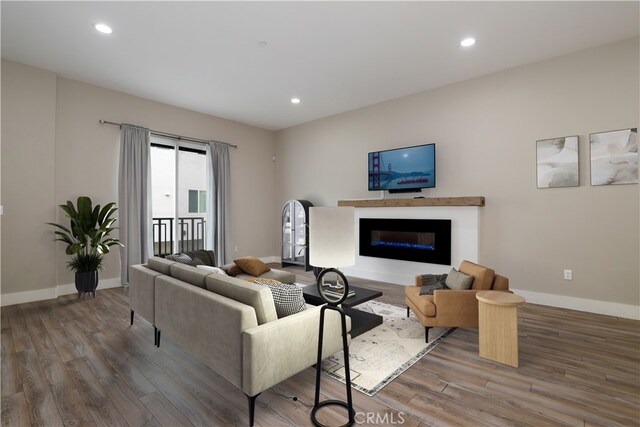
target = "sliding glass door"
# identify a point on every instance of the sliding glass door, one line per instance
(179, 195)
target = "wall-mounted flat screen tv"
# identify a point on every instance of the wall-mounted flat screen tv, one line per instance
(403, 169)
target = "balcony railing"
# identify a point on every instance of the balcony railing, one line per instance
(191, 232)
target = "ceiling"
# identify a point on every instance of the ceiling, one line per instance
(334, 56)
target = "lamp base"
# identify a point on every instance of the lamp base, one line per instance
(335, 403)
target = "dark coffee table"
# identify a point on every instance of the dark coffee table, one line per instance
(361, 321)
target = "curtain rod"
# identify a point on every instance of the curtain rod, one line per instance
(169, 135)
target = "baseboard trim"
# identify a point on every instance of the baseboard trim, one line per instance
(627, 311)
(51, 293)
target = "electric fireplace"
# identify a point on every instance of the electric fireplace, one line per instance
(420, 240)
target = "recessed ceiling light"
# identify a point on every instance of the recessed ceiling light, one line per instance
(262, 44)
(295, 100)
(469, 41)
(103, 28)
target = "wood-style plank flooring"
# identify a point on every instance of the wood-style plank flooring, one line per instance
(78, 362)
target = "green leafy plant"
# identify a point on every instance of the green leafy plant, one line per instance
(87, 236)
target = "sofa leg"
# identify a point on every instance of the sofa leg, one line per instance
(252, 407)
(407, 314)
(158, 338)
(426, 333)
(132, 317)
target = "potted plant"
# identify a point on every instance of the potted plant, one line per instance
(87, 240)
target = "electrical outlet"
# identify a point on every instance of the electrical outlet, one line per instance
(568, 275)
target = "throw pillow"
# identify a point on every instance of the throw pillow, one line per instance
(231, 269)
(431, 282)
(212, 269)
(207, 256)
(252, 265)
(195, 261)
(288, 298)
(181, 258)
(458, 281)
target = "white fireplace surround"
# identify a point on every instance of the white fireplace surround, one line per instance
(464, 243)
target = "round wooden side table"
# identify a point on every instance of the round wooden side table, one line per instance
(498, 326)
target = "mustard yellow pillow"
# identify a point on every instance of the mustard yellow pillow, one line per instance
(252, 265)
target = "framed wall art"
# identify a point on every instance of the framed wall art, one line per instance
(557, 162)
(614, 157)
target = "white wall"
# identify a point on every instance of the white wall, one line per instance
(486, 131)
(55, 150)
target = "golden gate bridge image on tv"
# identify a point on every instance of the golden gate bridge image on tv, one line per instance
(382, 175)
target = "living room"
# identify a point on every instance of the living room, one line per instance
(485, 125)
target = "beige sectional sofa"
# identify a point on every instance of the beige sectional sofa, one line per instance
(230, 324)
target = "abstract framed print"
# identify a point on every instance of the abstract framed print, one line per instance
(614, 157)
(557, 162)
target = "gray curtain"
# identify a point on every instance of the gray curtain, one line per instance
(219, 225)
(134, 198)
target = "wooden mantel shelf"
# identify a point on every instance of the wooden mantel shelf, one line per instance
(402, 203)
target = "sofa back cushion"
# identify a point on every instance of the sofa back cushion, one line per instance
(482, 276)
(192, 275)
(160, 265)
(258, 297)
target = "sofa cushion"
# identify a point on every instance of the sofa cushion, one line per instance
(424, 303)
(160, 265)
(288, 299)
(279, 275)
(187, 273)
(260, 280)
(252, 265)
(258, 297)
(482, 276)
(458, 280)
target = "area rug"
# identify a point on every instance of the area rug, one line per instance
(378, 356)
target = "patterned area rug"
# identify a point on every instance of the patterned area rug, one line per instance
(378, 356)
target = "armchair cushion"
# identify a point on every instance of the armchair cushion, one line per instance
(500, 283)
(423, 303)
(482, 276)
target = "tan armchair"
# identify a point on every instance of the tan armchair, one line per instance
(453, 308)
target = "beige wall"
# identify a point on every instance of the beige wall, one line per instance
(28, 185)
(76, 156)
(485, 130)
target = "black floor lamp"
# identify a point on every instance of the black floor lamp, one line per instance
(332, 243)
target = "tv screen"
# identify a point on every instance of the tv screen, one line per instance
(403, 169)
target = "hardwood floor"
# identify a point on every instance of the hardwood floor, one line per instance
(78, 362)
